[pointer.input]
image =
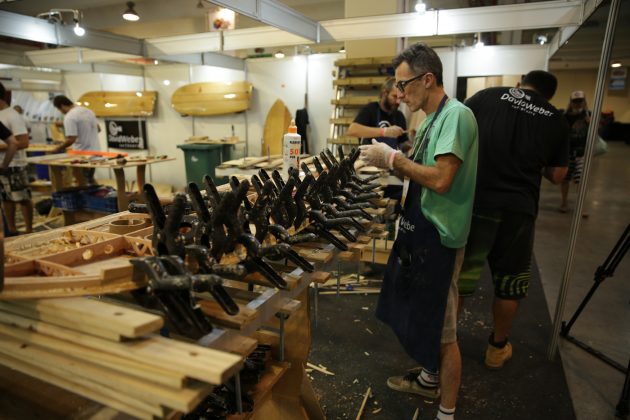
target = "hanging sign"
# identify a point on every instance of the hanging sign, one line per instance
(126, 134)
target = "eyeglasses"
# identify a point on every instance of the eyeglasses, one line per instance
(402, 84)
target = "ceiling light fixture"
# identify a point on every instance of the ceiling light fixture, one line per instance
(130, 14)
(55, 16)
(78, 30)
(279, 54)
(420, 7)
(615, 64)
(541, 39)
(342, 50)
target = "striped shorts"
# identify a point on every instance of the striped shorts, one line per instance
(505, 239)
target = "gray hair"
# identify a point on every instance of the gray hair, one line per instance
(422, 59)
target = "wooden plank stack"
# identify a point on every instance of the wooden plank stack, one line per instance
(110, 354)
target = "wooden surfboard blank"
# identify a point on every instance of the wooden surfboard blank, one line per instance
(276, 125)
(120, 104)
(212, 98)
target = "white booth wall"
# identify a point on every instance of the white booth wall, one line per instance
(288, 79)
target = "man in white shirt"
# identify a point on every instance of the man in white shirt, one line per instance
(80, 128)
(14, 184)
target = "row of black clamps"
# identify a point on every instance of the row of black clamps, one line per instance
(252, 227)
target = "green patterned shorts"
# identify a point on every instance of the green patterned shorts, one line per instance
(505, 239)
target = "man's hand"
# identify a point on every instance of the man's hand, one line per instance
(378, 154)
(394, 131)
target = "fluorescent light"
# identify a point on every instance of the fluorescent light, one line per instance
(342, 50)
(279, 54)
(166, 82)
(420, 7)
(78, 30)
(139, 94)
(130, 14)
(615, 64)
(229, 95)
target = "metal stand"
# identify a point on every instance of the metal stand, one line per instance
(622, 407)
(607, 269)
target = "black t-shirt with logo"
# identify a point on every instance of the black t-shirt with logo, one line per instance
(372, 115)
(520, 133)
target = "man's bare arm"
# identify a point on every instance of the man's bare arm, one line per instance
(555, 174)
(22, 141)
(438, 178)
(69, 142)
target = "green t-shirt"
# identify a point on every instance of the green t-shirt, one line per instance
(455, 131)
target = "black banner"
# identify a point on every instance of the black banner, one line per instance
(126, 134)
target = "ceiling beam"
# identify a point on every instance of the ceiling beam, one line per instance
(19, 26)
(276, 14)
(564, 34)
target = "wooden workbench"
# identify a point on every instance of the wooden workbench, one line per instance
(284, 390)
(58, 162)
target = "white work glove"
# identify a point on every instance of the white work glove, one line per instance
(378, 154)
(394, 131)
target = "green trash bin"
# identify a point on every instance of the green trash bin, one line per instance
(201, 159)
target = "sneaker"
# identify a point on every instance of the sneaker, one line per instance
(409, 383)
(496, 357)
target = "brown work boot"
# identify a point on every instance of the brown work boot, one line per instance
(496, 357)
(409, 383)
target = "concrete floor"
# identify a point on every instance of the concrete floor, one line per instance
(605, 323)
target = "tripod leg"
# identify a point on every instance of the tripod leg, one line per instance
(622, 407)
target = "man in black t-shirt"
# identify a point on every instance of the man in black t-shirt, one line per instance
(381, 120)
(522, 138)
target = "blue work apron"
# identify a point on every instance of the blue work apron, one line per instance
(417, 280)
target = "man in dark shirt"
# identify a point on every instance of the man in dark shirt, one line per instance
(381, 120)
(521, 138)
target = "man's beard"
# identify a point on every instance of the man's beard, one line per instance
(387, 106)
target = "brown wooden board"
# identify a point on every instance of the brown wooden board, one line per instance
(120, 104)
(212, 98)
(276, 124)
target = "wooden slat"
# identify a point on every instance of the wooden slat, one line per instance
(124, 321)
(217, 315)
(354, 100)
(369, 61)
(70, 385)
(194, 361)
(115, 363)
(182, 399)
(374, 81)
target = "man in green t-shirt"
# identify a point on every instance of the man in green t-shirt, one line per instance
(418, 299)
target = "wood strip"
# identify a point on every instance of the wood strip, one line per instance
(71, 386)
(57, 289)
(217, 315)
(125, 321)
(115, 363)
(194, 361)
(182, 399)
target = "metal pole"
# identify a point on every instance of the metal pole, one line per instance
(588, 155)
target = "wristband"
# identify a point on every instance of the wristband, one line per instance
(382, 131)
(392, 156)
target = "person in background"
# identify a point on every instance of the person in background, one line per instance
(578, 117)
(15, 182)
(382, 120)
(418, 299)
(8, 148)
(522, 138)
(80, 128)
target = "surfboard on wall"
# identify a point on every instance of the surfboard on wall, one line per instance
(276, 125)
(120, 104)
(212, 98)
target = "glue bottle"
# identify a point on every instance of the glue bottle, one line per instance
(291, 146)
